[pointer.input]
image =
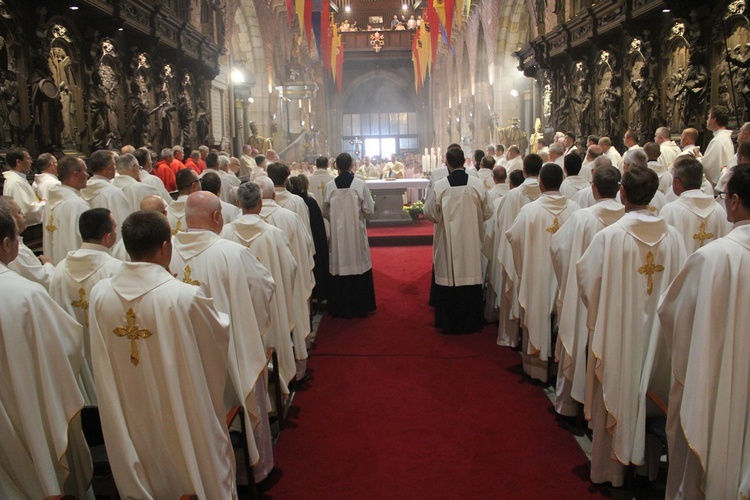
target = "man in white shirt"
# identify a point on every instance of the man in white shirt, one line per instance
(43, 451)
(653, 152)
(705, 320)
(242, 288)
(530, 237)
(669, 150)
(36, 269)
(46, 165)
(168, 417)
(64, 207)
(458, 206)
(610, 151)
(99, 191)
(143, 156)
(18, 187)
(76, 275)
(697, 216)
(567, 246)
(573, 182)
(627, 343)
(721, 148)
(129, 182)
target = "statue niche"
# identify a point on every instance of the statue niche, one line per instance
(640, 93)
(106, 105)
(164, 110)
(608, 94)
(138, 103)
(65, 68)
(186, 112)
(731, 72)
(562, 111)
(580, 100)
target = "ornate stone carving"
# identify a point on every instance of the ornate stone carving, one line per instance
(105, 109)
(608, 93)
(696, 86)
(185, 111)
(164, 137)
(64, 71)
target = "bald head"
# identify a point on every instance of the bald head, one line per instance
(203, 211)
(594, 152)
(154, 203)
(266, 187)
(652, 150)
(499, 174)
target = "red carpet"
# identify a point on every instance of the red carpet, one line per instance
(396, 410)
(418, 232)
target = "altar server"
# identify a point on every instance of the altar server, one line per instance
(159, 348)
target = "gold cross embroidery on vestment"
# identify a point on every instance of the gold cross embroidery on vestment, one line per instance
(177, 228)
(702, 235)
(554, 227)
(650, 269)
(132, 332)
(187, 279)
(83, 304)
(51, 227)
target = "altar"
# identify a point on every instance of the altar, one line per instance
(389, 196)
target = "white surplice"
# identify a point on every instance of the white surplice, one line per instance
(485, 175)
(243, 289)
(669, 153)
(60, 225)
(100, 193)
(572, 184)
(160, 350)
(697, 217)
(718, 153)
(496, 192)
(530, 237)
(229, 185)
(43, 182)
(176, 214)
(318, 180)
(273, 250)
(133, 190)
(42, 450)
(627, 344)
(17, 187)
(30, 267)
(505, 279)
(458, 213)
(587, 170)
(303, 250)
(704, 316)
(157, 183)
(514, 164)
(585, 197)
(296, 204)
(665, 178)
(568, 245)
(347, 210)
(614, 156)
(71, 285)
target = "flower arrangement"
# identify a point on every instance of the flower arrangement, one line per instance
(415, 209)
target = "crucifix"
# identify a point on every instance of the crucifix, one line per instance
(356, 142)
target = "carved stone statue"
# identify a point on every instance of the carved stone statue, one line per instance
(165, 135)
(256, 141)
(138, 117)
(185, 118)
(66, 136)
(562, 111)
(696, 85)
(513, 135)
(202, 124)
(98, 113)
(10, 113)
(676, 99)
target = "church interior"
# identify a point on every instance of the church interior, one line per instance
(383, 405)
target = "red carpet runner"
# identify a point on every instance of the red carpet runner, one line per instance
(396, 410)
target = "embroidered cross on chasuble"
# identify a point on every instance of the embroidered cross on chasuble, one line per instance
(132, 332)
(650, 269)
(177, 227)
(83, 304)
(186, 277)
(51, 227)
(702, 235)
(554, 227)
(322, 186)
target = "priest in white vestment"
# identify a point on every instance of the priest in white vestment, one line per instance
(347, 204)
(654, 153)
(721, 148)
(99, 191)
(630, 139)
(187, 183)
(585, 197)
(17, 186)
(76, 275)
(503, 278)
(273, 250)
(610, 151)
(573, 181)
(668, 149)
(229, 181)
(33, 268)
(457, 204)
(636, 157)
(621, 276)
(143, 156)
(514, 160)
(567, 247)
(64, 206)
(494, 196)
(530, 237)
(247, 162)
(47, 177)
(42, 450)
(318, 180)
(130, 183)
(704, 316)
(160, 349)
(484, 174)
(261, 162)
(211, 182)
(587, 167)
(303, 249)
(243, 289)
(500, 187)
(697, 216)
(279, 174)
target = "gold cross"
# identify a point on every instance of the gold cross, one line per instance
(177, 227)
(554, 227)
(133, 332)
(82, 303)
(702, 235)
(186, 277)
(651, 208)
(650, 269)
(51, 227)
(323, 186)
